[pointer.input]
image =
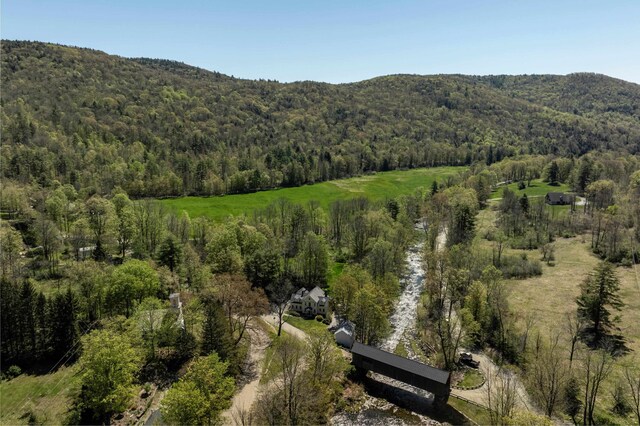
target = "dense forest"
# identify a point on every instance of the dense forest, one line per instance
(144, 303)
(162, 128)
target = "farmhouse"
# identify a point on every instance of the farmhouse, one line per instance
(559, 198)
(310, 303)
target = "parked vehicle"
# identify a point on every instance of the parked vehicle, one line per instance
(467, 359)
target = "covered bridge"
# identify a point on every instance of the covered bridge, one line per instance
(414, 373)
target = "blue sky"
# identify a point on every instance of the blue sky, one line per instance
(344, 41)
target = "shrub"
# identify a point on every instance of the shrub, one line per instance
(319, 318)
(520, 267)
(13, 371)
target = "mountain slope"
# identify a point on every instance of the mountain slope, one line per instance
(156, 127)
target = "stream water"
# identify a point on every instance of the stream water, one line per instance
(405, 312)
(375, 410)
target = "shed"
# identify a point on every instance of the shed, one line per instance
(345, 334)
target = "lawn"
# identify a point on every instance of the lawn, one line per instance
(46, 396)
(471, 379)
(538, 188)
(478, 414)
(374, 186)
(553, 294)
(306, 325)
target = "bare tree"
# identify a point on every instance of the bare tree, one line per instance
(501, 396)
(547, 375)
(243, 417)
(574, 327)
(289, 359)
(632, 375)
(280, 290)
(240, 302)
(596, 366)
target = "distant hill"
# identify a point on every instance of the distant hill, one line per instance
(156, 127)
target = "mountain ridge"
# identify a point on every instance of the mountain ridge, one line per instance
(168, 126)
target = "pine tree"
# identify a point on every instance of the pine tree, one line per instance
(170, 253)
(572, 403)
(434, 187)
(63, 320)
(554, 173)
(216, 336)
(26, 321)
(599, 294)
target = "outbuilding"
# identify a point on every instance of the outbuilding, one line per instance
(345, 334)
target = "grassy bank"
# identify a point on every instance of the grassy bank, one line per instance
(375, 186)
(46, 396)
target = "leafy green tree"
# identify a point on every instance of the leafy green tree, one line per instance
(125, 227)
(369, 315)
(185, 404)
(598, 295)
(108, 363)
(149, 316)
(10, 246)
(223, 251)
(263, 267)
(100, 215)
(129, 284)
(313, 261)
(201, 394)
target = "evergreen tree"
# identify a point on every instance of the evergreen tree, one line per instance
(216, 336)
(26, 321)
(554, 173)
(599, 294)
(170, 253)
(524, 204)
(572, 403)
(63, 320)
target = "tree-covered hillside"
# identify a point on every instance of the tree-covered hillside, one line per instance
(157, 127)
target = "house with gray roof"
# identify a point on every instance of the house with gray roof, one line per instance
(310, 303)
(559, 198)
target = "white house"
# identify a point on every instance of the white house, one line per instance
(345, 334)
(310, 303)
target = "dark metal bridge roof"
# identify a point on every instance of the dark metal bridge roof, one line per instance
(411, 372)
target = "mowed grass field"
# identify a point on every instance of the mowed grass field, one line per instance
(377, 186)
(551, 296)
(538, 188)
(47, 396)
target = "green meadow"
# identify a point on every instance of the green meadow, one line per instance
(538, 188)
(375, 187)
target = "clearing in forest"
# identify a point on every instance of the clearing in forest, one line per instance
(375, 187)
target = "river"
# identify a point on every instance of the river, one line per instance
(403, 320)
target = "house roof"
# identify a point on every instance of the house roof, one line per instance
(316, 294)
(559, 197)
(414, 367)
(346, 326)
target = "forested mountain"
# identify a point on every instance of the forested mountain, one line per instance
(159, 128)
